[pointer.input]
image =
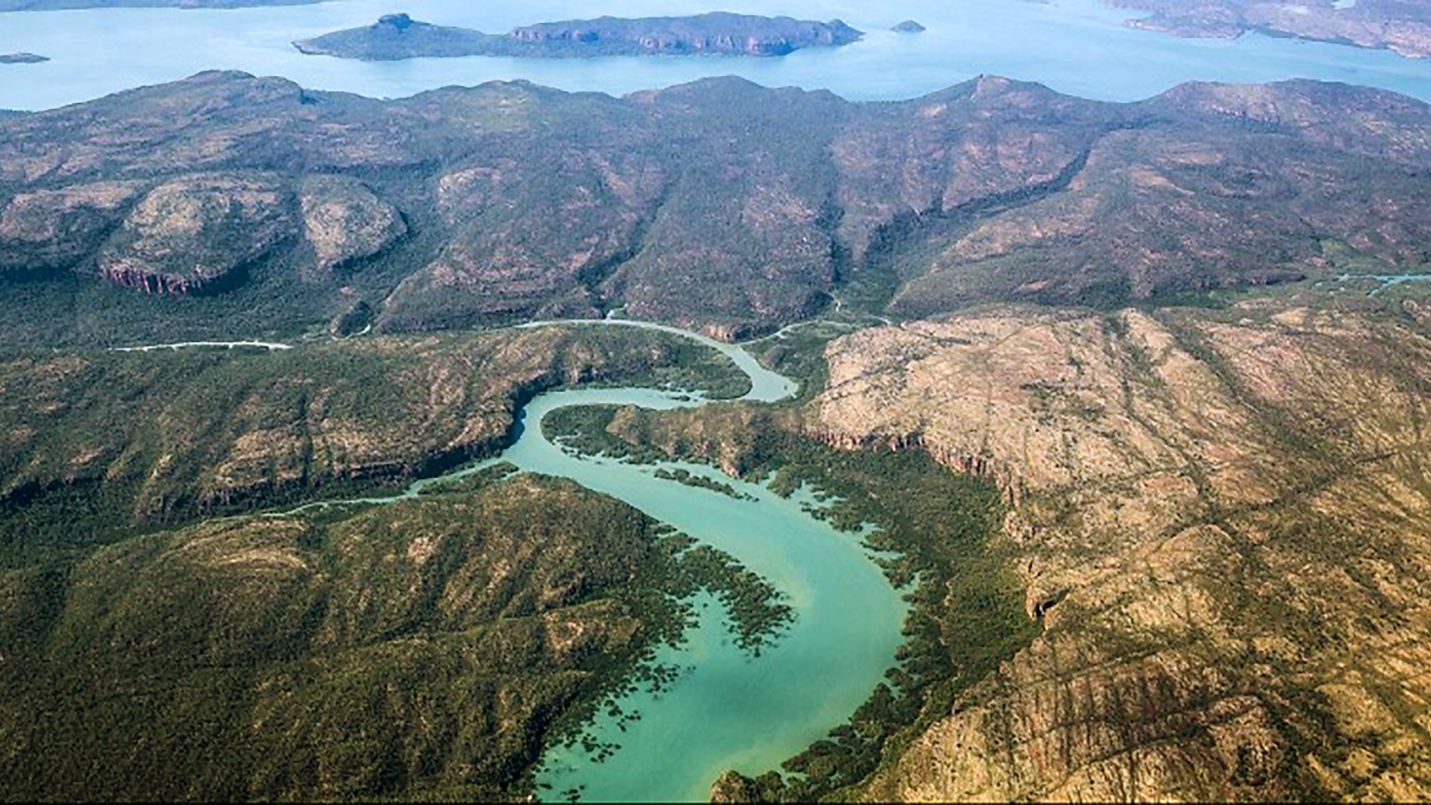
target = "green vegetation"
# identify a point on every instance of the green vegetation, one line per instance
(428, 649)
(471, 483)
(685, 476)
(718, 205)
(103, 445)
(967, 607)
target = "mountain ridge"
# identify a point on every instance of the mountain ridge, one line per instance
(508, 201)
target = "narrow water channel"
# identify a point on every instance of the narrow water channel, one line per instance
(728, 709)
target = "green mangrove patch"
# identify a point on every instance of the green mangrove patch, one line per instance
(934, 530)
(428, 649)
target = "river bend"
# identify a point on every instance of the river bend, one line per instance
(728, 709)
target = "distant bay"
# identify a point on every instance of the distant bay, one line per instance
(1075, 46)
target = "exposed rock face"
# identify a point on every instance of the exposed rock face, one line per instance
(190, 235)
(734, 787)
(344, 221)
(1221, 520)
(716, 32)
(53, 229)
(934, 157)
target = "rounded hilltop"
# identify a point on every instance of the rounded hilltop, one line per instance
(908, 27)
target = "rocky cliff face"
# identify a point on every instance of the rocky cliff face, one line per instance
(193, 432)
(714, 33)
(1221, 521)
(193, 235)
(398, 36)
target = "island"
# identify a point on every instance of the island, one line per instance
(22, 58)
(908, 27)
(1403, 28)
(399, 36)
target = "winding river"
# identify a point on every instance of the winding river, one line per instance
(728, 709)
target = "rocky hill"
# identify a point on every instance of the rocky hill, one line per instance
(267, 206)
(424, 650)
(399, 36)
(1221, 520)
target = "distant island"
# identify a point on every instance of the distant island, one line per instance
(58, 5)
(398, 36)
(1403, 28)
(22, 58)
(908, 27)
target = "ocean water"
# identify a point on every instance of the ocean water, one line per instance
(1075, 46)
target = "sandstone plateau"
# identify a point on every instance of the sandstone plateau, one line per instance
(399, 36)
(1221, 522)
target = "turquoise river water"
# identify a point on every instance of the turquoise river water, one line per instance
(728, 709)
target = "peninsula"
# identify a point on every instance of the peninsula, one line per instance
(1403, 28)
(22, 58)
(399, 36)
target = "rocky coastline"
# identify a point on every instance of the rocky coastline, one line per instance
(399, 36)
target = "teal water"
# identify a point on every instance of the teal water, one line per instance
(728, 709)
(1075, 46)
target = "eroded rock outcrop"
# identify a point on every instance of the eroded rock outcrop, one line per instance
(344, 221)
(728, 207)
(192, 235)
(1401, 27)
(398, 36)
(54, 229)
